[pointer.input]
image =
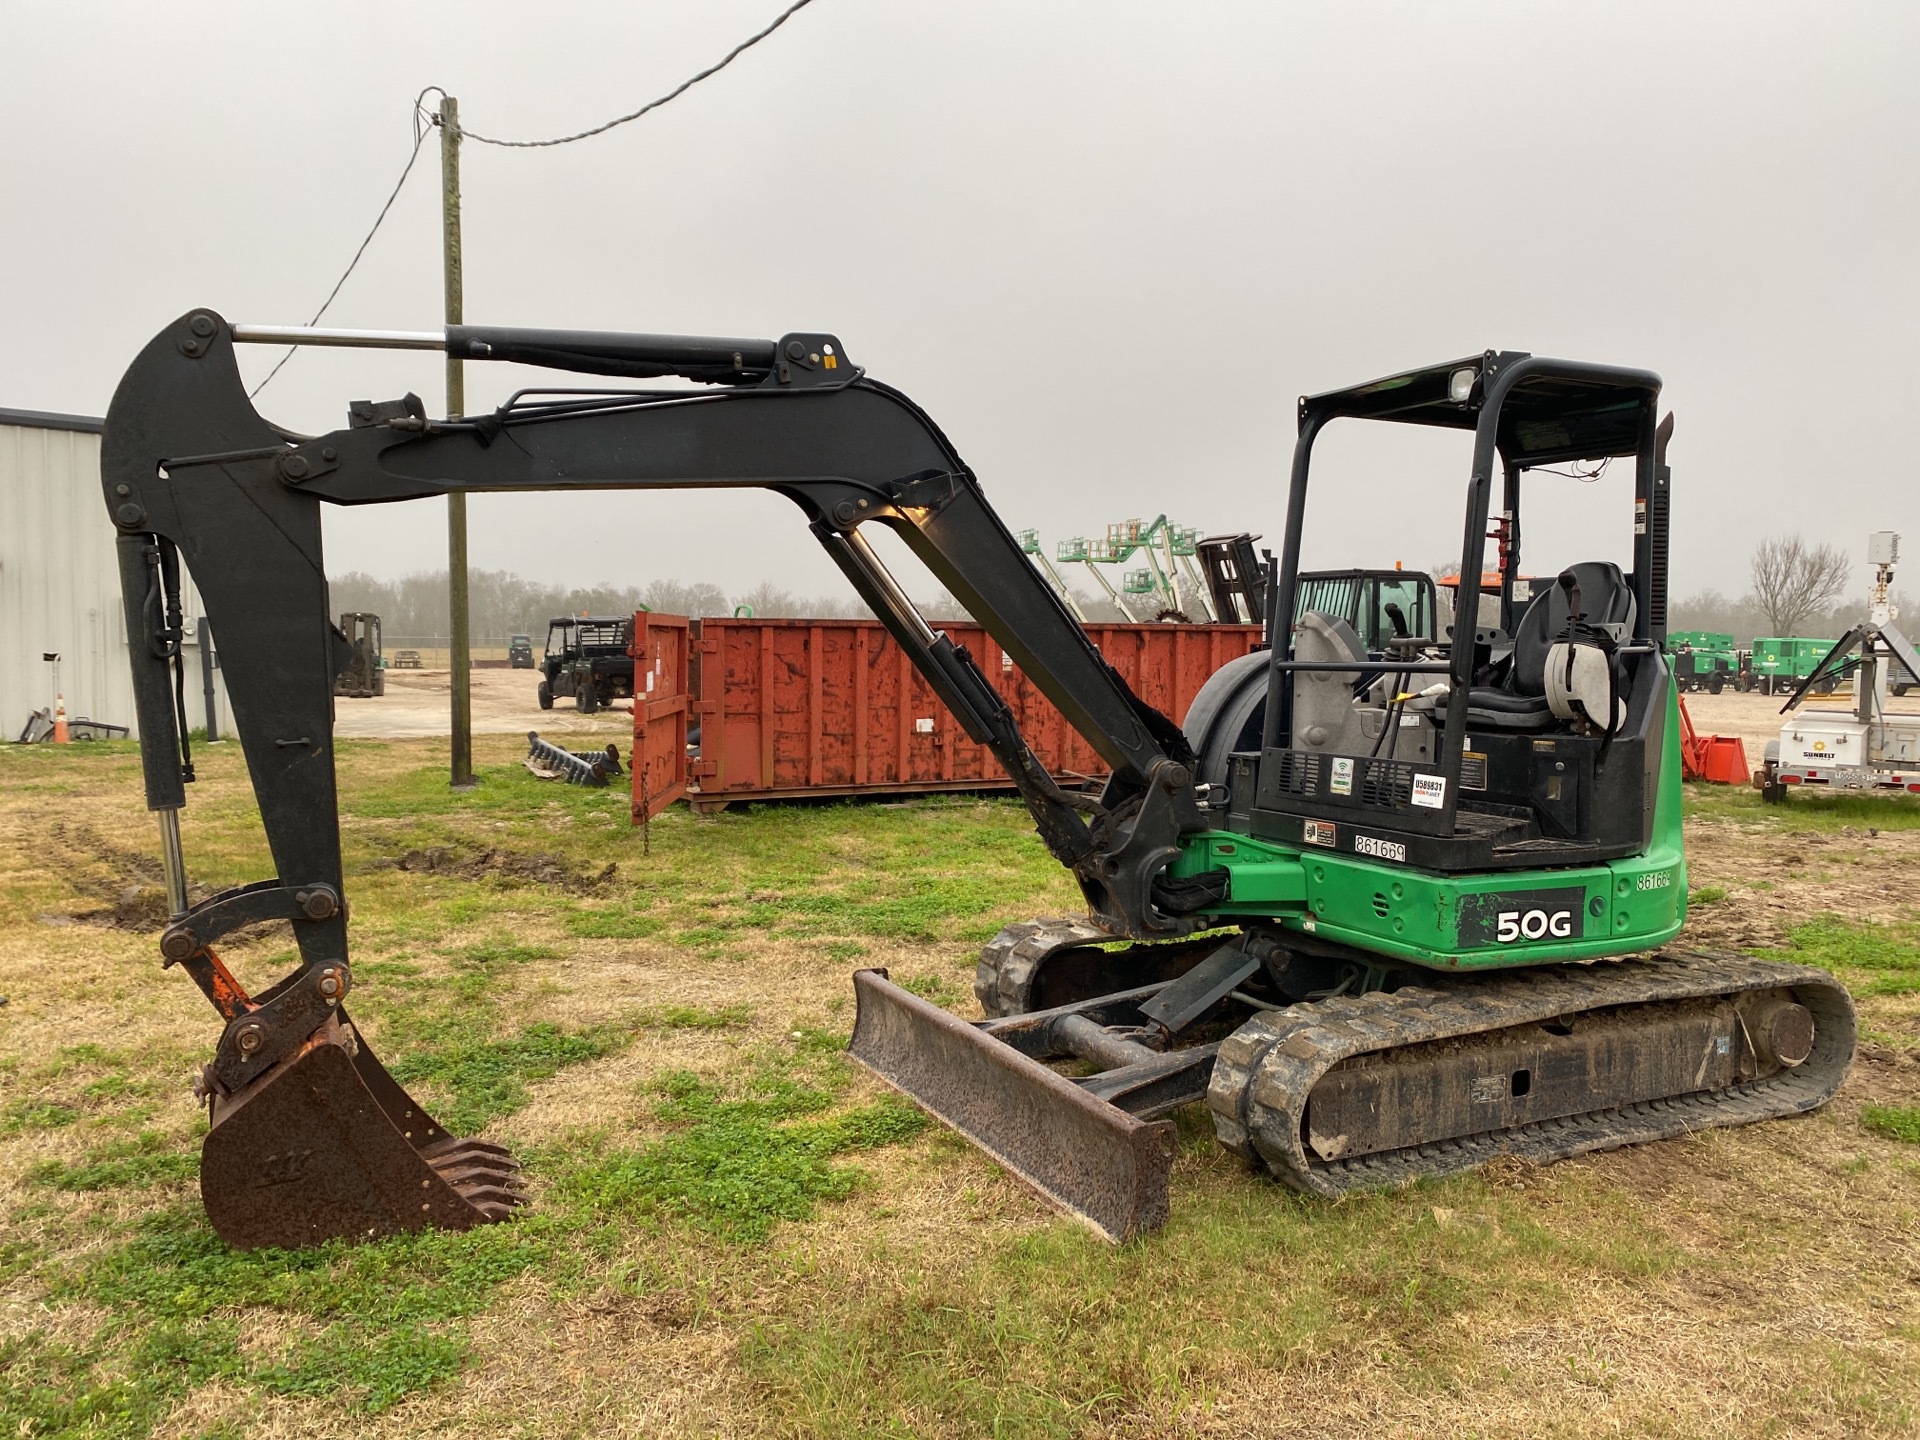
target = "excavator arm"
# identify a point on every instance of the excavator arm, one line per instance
(193, 473)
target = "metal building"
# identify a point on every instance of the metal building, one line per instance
(60, 583)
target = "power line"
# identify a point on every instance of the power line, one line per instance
(420, 133)
(424, 122)
(674, 94)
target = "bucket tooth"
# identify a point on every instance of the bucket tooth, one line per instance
(1087, 1158)
(494, 1198)
(326, 1145)
(456, 1157)
(463, 1176)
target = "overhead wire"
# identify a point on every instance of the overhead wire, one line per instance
(420, 133)
(424, 122)
(673, 94)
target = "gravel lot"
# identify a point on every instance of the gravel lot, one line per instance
(416, 707)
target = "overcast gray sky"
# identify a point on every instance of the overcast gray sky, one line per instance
(1105, 245)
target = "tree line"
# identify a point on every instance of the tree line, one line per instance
(501, 604)
(1796, 589)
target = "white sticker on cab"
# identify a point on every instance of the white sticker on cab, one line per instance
(1430, 791)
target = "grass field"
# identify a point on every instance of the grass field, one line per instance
(734, 1232)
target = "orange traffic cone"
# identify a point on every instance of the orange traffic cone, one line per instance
(60, 736)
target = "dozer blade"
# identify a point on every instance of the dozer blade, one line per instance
(1086, 1157)
(326, 1145)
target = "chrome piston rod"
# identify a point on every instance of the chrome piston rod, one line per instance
(172, 863)
(356, 339)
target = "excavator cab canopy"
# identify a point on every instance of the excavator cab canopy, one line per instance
(1444, 759)
(1556, 411)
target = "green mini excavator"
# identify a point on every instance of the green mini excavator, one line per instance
(1388, 907)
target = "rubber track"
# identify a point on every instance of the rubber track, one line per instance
(1268, 1067)
(1003, 978)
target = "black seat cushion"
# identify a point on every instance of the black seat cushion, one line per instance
(1504, 701)
(1502, 710)
(1605, 599)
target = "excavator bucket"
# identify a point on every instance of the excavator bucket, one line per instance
(1084, 1156)
(325, 1145)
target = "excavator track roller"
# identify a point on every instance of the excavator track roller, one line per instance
(326, 1145)
(1358, 1092)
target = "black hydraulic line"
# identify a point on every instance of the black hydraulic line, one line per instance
(175, 636)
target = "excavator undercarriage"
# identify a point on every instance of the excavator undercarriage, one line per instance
(1352, 1091)
(1389, 907)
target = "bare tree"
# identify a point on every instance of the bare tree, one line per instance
(676, 597)
(1793, 580)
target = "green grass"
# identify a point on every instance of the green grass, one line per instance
(1870, 957)
(32, 1113)
(380, 1319)
(473, 1082)
(1895, 1122)
(385, 1320)
(443, 958)
(736, 1167)
(1805, 809)
(149, 1158)
(839, 1266)
(696, 1017)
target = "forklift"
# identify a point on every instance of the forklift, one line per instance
(364, 676)
(1387, 915)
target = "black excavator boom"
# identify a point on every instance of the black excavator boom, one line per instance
(194, 475)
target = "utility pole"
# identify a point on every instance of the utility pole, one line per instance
(460, 658)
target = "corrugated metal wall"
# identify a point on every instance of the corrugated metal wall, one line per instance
(60, 581)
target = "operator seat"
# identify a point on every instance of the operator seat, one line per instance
(1521, 703)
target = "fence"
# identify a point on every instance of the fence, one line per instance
(436, 651)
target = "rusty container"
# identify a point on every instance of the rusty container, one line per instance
(797, 708)
(662, 653)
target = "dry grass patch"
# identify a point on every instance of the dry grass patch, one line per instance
(737, 1233)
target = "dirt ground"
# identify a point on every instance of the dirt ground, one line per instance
(416, 706)
(1754, 717)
